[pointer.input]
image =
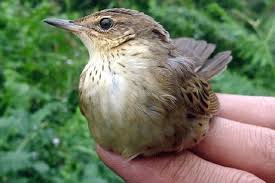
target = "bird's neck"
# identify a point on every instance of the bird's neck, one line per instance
(131, 61)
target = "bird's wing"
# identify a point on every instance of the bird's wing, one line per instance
(193, 91)
(200, 51)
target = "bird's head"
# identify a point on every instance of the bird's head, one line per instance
(111, 28)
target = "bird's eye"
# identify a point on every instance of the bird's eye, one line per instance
(106, 23)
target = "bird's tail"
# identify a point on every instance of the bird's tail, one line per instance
(201, 51)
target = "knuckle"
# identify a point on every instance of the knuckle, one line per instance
(183, 173)
(244, 177)
(268, 147)
(187, 169)
(268, 104)
(174, 167)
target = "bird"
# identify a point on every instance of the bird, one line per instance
(143, 92)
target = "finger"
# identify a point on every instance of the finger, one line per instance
(253, 110)
(241, 146)
(177, 168)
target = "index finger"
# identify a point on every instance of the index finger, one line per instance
(258, 111)
(174, 167)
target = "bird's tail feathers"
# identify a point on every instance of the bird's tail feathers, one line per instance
(201, 50)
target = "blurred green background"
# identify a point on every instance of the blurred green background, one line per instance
(43, 137)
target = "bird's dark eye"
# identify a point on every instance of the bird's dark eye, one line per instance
(106, 23)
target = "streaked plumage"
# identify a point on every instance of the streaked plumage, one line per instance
(142, 92)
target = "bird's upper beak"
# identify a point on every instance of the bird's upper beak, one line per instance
(64, 24)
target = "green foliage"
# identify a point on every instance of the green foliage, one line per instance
(43, 136)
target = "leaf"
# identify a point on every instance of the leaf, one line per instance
(41, 167)
(45, 111)
(91, 174)
(14, 161)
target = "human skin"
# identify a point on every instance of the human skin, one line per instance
(240, 147)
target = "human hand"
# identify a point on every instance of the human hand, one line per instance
(240, 147)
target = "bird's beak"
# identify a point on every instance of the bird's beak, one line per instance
(64, 24)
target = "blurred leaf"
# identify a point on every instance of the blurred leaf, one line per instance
(14, 161)
(41, 167)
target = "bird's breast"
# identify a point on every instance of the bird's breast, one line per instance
(103, 92)
(122, 107)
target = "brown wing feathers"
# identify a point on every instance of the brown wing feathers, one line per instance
(199, 97)
(195, 92)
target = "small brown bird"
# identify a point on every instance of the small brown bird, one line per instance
(141, 91)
